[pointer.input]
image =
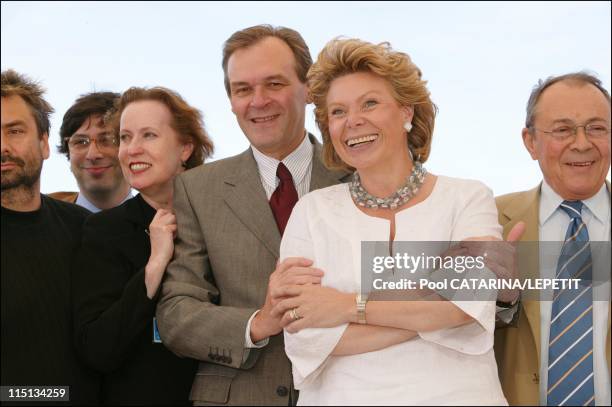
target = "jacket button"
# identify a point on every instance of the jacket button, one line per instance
(282, 391)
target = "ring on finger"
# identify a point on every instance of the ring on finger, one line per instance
(293, 313)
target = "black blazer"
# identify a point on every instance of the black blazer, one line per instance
(113, 316)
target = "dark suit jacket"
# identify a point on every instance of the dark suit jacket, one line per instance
(226, 248)
(114, 317)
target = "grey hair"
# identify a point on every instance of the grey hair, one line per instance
(580, 77)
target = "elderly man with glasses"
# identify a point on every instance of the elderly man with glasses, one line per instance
(92, 150)
(558, 352)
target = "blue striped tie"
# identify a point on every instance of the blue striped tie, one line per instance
(570, 346)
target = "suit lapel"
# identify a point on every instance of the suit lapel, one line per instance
(526, 208)
(246, 197)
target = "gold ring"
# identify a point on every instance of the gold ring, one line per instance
(294, 314)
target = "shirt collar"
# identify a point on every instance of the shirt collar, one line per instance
(598, 204)
(294, 162)
(86, 203)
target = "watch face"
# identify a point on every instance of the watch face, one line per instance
(505, 304)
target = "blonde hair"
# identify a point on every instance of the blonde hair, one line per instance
(341, 57)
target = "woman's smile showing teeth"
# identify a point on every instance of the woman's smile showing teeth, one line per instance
(361, 140)
(139, 167)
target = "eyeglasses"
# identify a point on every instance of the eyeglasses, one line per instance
(566, 132)
(81, 143)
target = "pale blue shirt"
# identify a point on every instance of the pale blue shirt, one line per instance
(553, 223)
(86, 203)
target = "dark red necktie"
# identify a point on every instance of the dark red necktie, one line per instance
(284, 197)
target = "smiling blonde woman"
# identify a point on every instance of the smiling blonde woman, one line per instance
(377, 118)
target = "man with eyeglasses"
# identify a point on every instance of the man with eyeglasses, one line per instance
(92, 150)
(558, 352)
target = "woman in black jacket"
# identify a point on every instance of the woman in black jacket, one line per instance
(125, 251)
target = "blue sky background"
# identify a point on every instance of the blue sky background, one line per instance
(481, 61)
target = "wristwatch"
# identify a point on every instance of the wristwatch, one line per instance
(508, 305)
(361, 300)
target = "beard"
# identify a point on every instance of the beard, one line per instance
(25, 175)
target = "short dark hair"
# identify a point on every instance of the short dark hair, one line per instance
(90, 104)
(15, 84)
(187, 121)
(581, 77)
(252, 35)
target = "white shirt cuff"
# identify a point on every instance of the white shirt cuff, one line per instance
(248, 343)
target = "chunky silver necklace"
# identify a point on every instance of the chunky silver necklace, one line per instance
(401, 196)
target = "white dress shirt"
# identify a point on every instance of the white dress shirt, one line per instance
(448, 366)
(299, 164)
(553, 224)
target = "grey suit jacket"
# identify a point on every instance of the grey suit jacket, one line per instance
(226, 248)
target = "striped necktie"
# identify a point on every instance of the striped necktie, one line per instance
(570, 346)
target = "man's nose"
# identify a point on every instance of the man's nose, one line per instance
(260, 97)
(93, 152)
(581, 141)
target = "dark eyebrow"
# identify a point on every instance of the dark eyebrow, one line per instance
(277, 77)
(15, 123)
(102, 133)
(238, 84)
(266, 79)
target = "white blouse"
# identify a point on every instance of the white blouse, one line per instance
(448, 366)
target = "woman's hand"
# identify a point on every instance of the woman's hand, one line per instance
(314, 306)
(292, 271)
(161, 232)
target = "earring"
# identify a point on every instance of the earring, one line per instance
(408, 126)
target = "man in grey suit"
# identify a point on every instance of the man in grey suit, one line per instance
(215, 303)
